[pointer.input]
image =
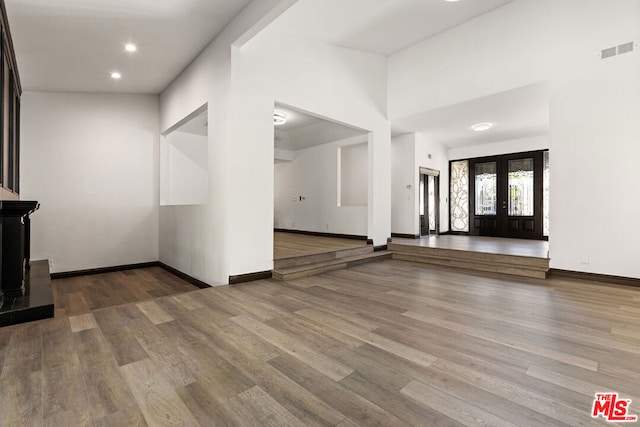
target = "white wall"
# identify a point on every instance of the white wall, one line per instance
(594, 146)
(594, 108)
(403, 183)
(353, 174)
(313, 174)
(195, 239)
(507, 48)
(91, 160)
(410, 152)
(503, 147)
(184, 169)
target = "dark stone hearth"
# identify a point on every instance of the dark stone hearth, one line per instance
(25, 288)
(15, 250)
(37, 301)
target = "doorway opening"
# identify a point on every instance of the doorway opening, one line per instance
(429, 202)
(320, 183)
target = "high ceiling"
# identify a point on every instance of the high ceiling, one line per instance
(74, 45)
(377, 26)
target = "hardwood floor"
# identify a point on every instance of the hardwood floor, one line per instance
(391, 343)
(517, 257)
(77, 295)
(286, 245)
(491, 245)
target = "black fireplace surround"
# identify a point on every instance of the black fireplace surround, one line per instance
(25, 287)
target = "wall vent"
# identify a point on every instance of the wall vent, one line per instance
(608, 53)
(625, 48)
(617, 50)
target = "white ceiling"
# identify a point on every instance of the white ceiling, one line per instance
(303, 130)
(377, 26)
(73, 45)
(518, 113)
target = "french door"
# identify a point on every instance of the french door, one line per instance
(505, 195)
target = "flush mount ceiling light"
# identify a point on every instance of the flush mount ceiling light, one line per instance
(116, 75)
(481, 127)
(279, 118)
(130, 47)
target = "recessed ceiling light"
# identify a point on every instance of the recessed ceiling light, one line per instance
(130, 47)
(116, 75)
(481, 127)
(279, 118)
(450, 0)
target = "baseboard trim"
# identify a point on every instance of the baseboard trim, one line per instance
(380, 248)
(250, 277)
(595, 277)
(405, 236)
(101, 270)
(198, 283)
(69, 274)
(320, 234)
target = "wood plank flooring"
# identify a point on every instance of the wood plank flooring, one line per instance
(491, 245)
(391, 343)
(286, 245)
(77, 295)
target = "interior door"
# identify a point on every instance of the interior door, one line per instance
(506, 195)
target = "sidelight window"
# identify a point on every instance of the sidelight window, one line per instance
(545, 194)
(459, 195)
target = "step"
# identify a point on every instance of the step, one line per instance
(298, 271)
(477, 261)
(320, 257)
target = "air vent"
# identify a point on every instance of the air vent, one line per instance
(625, 48)
(617, 50)
(608, 53)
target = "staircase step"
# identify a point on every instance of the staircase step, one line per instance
(321, 257)
(477, 261)
(298, 271)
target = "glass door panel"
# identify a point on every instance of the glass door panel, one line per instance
(421, 193)
(545, 195)
(486, 188)
(521, 188)
(432, 202)
(506, 195)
